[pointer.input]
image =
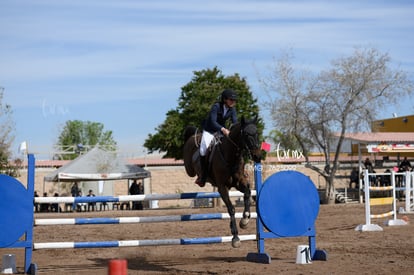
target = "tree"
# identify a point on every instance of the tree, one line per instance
(285, 140)
(77, 134)
(6, 137)
(318, 110)
(193, 106)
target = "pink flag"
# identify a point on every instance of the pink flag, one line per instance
(265, 146)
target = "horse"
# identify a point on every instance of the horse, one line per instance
(226, 165)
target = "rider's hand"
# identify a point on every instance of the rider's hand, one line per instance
(225, 131)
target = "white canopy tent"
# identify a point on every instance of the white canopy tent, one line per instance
(97, 165)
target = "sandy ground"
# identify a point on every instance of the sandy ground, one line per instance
(388, 252)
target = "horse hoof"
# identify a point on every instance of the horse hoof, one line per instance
(235, 243)
(244, 223)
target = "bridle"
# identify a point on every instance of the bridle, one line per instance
(248, 139)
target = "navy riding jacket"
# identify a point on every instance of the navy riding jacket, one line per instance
(215, 120)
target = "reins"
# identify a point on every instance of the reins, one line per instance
(244, 146)
(234, 143)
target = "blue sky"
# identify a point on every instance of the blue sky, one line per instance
(123, 63)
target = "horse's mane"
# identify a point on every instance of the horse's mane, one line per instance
(191, 130)
(235, 126)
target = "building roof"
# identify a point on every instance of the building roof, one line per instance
(379, 137)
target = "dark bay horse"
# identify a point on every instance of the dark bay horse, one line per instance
(226, 165)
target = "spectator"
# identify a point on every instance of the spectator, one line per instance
(354, 177)
(81, 205)
(55, 206)
(74, 190)
(36, 204)
(368, 165)
(370, 168)
(405, 165)
(44, 207)
(386, 179)
(140, 205)
(91, 204)
(136, 189)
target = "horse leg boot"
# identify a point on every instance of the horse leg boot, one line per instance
(201, 181)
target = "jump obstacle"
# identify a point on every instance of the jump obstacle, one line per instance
(409, 193)
(389, 200)
(287, 205)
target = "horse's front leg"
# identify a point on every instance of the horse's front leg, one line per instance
(224, 192)
(241, 182)
(244, 222)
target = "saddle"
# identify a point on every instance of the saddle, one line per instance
(209, 154)
(210, 149)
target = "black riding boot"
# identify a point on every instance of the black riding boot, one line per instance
(204, 171)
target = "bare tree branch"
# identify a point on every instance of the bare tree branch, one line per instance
(347, 97)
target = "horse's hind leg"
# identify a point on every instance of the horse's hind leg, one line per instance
(224, 192)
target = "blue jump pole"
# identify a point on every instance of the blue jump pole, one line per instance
(133, 243)
(148, 197)
(151, 219)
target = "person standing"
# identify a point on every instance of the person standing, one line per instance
(54, 207)
(136, 189)
(91, 204)
(405, 165)
(354, 177)
(36, 204)
(368, 166)
(81, 204)
(75, 189)
(44, 207)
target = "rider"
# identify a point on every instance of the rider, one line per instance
(219, 113)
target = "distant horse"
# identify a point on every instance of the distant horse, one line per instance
(226, 165)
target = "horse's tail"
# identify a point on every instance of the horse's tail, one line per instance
(190, 146)
(189, 131)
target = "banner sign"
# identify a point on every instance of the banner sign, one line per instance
(390, 148)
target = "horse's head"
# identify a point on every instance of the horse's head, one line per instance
(250, 138)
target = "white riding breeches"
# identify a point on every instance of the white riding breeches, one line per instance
(205, 142)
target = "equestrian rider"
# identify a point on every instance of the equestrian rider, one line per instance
(220, 112)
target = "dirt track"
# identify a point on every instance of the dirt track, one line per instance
(388, 252)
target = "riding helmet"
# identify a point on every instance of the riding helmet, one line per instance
(228, 94)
